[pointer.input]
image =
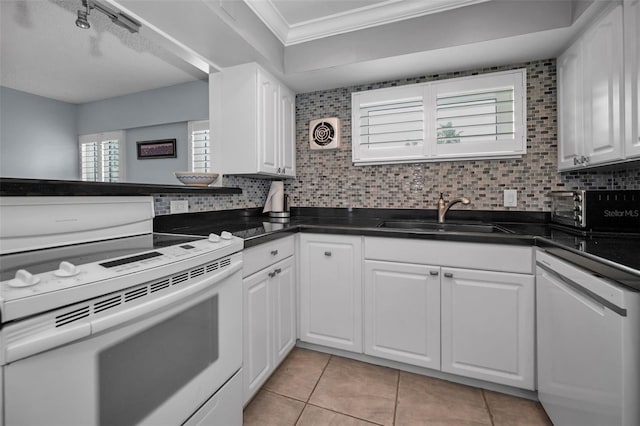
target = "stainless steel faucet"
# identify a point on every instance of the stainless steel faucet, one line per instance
(443, 206)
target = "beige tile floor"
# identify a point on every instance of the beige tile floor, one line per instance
(316, 389)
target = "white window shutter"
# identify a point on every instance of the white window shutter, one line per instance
(388, 124)
(102, 157)
(481, 116)
(199, 146)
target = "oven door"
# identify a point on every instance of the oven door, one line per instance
(155, 365)
(563, 208)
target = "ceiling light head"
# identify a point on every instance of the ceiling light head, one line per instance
(82, 21)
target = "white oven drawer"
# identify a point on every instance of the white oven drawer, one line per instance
(222, 409)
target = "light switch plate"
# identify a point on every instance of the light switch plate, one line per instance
(179, 206)
(510, 198)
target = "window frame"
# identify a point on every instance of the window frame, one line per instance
(99, 138)
(488, 148)
(193, 126)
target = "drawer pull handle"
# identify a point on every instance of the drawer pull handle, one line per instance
(433, 273)
(448, 274)
(278, 270)
(327, 253)
(274, 252)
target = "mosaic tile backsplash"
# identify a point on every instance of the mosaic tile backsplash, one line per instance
(329, 179)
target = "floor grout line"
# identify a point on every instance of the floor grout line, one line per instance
(345, 414)
(395, 406)
(486, 404)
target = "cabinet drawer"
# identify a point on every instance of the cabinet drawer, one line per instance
(259, 257)
(488, 257)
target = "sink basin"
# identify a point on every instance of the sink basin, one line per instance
(442, 227)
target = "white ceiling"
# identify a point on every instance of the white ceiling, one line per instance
(310, 44)
(298, 21)
(44, 53)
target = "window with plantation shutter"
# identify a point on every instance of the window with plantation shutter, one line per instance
(199, 146)
(102, 157)
(389, 124)
(482, 116)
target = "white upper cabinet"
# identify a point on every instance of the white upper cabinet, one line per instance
(603, 89)
(632, 76)
(253, 116)
(591, 96)
(570, 127)
(455, 119)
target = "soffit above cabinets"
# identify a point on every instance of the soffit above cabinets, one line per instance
(298, 21)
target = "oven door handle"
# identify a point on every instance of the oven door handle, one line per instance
(185, 298)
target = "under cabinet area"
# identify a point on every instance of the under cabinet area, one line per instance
(463, 308)
(269, 304)
(253, 116)
(331, 290)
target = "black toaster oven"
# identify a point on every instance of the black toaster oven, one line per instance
(597, 210)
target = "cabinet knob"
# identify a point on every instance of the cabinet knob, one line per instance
(448, 274)
(327, 253)
(272, 274)
(433, 273)
(274, 252)
(278, 270)
(586, 160)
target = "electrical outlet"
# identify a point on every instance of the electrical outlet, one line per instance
(179, 206)
(510, 198)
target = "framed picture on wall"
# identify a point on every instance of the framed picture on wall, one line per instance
(162, 148)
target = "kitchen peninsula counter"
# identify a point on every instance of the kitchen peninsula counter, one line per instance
(610, 255)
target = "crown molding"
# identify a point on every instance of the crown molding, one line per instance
(356, 19)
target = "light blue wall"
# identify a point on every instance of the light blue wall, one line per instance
(156, 170)
(46, 131)
(38, 137)
(182, 102)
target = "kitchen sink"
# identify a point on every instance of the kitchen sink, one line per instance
(442, 227)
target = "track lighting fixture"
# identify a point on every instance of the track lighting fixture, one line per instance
(116, 17)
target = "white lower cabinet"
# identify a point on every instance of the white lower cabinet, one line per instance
(402, 312)
(488, 326)
(462, 308)
(269, 331)
(331, 290)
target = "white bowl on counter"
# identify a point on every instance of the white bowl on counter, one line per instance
(196, 178)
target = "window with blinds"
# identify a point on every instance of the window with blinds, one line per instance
(101, 157)
(389, 123)
(481, 116)
(199, 146)
(475, 116)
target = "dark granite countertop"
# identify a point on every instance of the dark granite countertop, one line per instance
(613, 256)
(33, 187)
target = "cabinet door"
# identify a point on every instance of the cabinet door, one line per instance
(603, 85)
(287, 132)
(570, 127)
(402, 312)
(257, 351)
(267, 111)
(284, 308)
(632, 77)
(488, 326)
(331, 291)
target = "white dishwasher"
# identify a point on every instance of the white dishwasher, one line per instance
(588, 346)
